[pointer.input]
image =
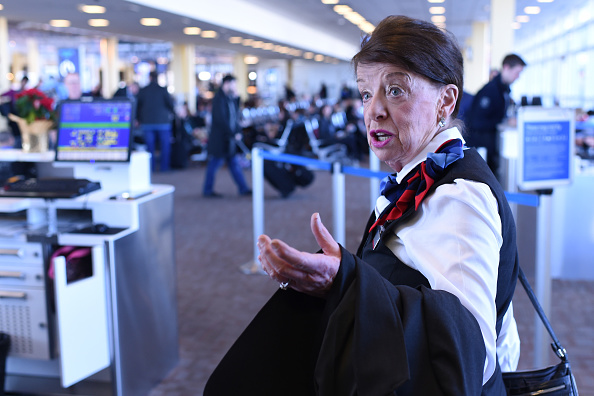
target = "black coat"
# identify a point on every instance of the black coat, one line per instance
(154, 105)
(224, 125)
(488, 110)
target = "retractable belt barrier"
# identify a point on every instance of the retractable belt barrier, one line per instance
(338, 191)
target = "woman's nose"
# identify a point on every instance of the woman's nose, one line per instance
(377, 109)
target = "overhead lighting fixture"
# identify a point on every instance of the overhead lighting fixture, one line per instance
(257, 44)
(91, 9)
(209, 34)
(354, 17)
(308, 55)
(204, 76)
(60, 23)
(438, 18)
(319, 58)
(150, 21)
(342, 9)
(98, 22)
(247, 42)
(235, 40)
(1, 7)
(268, 46)
(252, 76)
(330, 1)
(437, 10)
(523, 18)
(250, 60)
(192, 30)
(440, 25)
(532, 10)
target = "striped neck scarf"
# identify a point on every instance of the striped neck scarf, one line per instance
(413, 188)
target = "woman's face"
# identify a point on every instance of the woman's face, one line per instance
(400, 111)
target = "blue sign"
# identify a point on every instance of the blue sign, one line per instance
(68, 61)
(546, 147)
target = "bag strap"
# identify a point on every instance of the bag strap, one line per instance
(556, 345)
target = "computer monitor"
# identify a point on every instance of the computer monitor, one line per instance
(95, 130)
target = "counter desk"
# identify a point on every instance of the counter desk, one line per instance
(114, 332)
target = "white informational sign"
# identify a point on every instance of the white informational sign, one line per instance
(545, 148)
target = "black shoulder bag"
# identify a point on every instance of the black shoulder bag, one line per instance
(556, 380)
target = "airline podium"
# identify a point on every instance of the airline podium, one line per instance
(113, 332)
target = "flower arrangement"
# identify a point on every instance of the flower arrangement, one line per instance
(33, 104)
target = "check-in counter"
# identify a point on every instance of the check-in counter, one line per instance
(113, 332)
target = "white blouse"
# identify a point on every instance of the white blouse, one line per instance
(454, 240)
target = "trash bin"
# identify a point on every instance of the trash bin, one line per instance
(4, 347)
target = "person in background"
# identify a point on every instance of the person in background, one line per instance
(8, 105)
(72, 85)
(489, 109)
(424, 306)
(221, 141)
(154, 112)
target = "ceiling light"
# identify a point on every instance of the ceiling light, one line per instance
(438, 18)
(268, 46)
(532, 10)
(437, 10)
(258, 44)
(209, 34)
(252, 76)
(367, 27)
(250, 60)
(330, 1)
(235, 40)
(1, 7)
(91, 9)
(192, 30)
(60, 23)
(354, 17)
(523, 18)
(308, 55)
(516, 25)
(319, 57)
(98, 22)
(247, 42)
(204, 76)
(440, 25)
(342, 9)
(150, 21)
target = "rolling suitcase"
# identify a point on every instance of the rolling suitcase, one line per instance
(279, 177)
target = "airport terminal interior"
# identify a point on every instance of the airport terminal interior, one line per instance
(126, 275)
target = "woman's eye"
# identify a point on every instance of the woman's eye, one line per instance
(394, 91)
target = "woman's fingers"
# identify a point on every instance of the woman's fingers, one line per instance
(323, 237)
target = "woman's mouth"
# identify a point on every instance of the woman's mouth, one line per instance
(379, 137)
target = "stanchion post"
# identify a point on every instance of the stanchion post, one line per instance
(543, 276)
(374, 182)
(338, 207)
(257, 209)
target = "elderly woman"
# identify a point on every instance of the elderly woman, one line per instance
(424, 307)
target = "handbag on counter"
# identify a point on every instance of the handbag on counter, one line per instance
(556, 380)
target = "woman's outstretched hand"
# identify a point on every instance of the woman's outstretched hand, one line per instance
(309, 273)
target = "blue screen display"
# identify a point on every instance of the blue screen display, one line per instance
(92, 131)
(546, 150)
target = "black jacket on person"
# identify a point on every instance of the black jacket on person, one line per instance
(224, 125)
(154, 105)
(488, 110)
(380, 331)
